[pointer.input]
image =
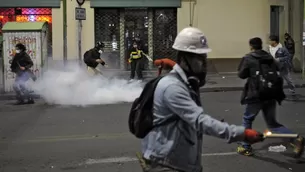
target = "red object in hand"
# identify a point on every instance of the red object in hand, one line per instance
(252, 136)
(164, 63)
(158, 62)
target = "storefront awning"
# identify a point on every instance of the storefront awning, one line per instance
(23, 26)
(135, 3)
(30, 3)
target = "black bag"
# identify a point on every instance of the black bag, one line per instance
(87, 57)
(141, 113)
(269, 82)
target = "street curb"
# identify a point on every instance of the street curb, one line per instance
(202, 90)
(236, 88)
(11, 96)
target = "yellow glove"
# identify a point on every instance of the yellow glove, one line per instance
(129, 60)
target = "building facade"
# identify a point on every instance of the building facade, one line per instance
(227, 24)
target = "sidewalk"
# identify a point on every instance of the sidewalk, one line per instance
(230, 82)
(215, 83)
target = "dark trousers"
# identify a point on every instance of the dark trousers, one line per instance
(19, 86)
(269, 113)
(291, 62)
(136, 67)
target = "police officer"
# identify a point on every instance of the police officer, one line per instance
(135, 60)
(92, 58)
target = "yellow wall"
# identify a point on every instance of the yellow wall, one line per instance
(57, 33)
(72, 31)
(297, 32)
(229, 24)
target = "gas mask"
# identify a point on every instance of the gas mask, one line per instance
(197, 70)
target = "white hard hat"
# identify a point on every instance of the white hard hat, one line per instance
(191, 40)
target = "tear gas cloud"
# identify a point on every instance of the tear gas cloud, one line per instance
(73, 86)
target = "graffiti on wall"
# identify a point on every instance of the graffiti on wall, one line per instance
(29, 42)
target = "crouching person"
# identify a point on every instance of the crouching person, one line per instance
(21, 65)
(92, 59)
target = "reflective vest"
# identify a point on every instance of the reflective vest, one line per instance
(136, 54)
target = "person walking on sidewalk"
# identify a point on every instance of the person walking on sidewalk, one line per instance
(262, 91)
(290, 45)
(282, 57)
(21, 65)
(175, 143)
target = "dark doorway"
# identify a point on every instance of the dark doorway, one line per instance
(275, 20)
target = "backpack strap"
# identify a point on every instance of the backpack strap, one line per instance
(169, 120)
(260, 67)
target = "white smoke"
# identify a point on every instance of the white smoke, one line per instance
(73, 86)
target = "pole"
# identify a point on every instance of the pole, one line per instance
(191, 22)
(80, 41)
(303, 64)
(65, 32)
(303, 31)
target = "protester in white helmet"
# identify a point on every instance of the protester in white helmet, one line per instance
(175, 143)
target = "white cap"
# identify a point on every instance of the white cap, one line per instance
(191, 40)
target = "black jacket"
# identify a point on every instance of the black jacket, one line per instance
(91, 56)
(21, 59)
(290, 45)
(247, 69)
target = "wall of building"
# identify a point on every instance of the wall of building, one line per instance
(72, 30)
(297, 9)
(227, 24)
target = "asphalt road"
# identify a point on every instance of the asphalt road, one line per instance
(38, 138)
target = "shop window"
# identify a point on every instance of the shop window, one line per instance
(165, 32)
(107, 26)
(133, 24)
(107, 30)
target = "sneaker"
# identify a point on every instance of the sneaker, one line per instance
(20, 102)
(245, 151)
(298, 146)
(292, 91)
(30, 101)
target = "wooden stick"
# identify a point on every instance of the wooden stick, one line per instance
(281, 135)
(141, 161)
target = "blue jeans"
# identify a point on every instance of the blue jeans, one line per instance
(269, 113)
(19, 85)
